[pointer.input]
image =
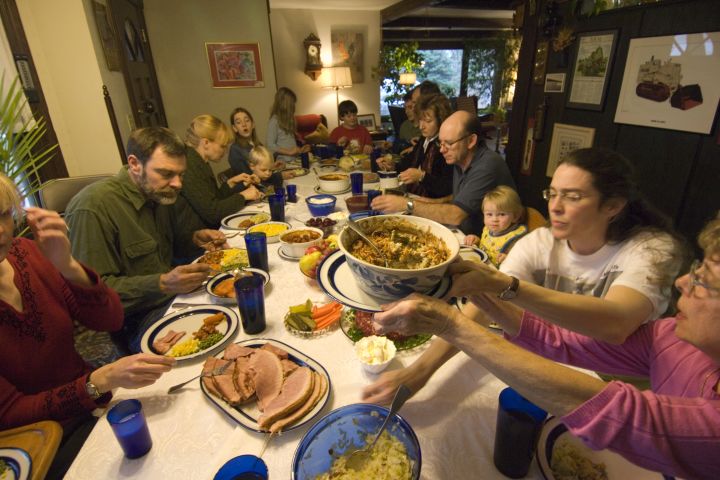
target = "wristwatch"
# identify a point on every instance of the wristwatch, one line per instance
(511, 290)
(92, 389)
(410, 207)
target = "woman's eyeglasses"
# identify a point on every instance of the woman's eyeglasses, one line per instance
(572, 197)
(696, 281)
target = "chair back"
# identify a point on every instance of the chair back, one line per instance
(55, 194)
(535, 219)
(468, 104)
(397, 116)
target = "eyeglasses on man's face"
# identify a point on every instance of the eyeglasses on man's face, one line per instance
(697, 281)
(447, 145)
(571, 197)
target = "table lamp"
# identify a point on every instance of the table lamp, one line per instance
(336, 78)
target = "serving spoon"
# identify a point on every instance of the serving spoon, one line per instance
(359, 457)
(357, 229)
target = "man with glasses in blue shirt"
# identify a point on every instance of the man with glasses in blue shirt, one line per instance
(477, 171)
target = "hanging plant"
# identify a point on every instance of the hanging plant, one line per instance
(394, 60)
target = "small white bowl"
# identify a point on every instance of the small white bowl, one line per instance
(221, 277)
(297, 248)
(263, 227)
(334, 182)
(375, 353)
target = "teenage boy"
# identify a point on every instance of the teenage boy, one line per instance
(349, 134)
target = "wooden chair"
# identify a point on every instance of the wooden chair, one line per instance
(534, 219)
(468, 104)
(55, 194)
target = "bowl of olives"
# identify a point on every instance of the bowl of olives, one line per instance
(327, 225)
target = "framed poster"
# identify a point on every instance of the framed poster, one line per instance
(234, 65)
(348, 51)
(107, 37)
(565, 139)
(671, 82)
(367, 121)
(591, 69)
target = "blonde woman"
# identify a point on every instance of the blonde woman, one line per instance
(281, 127)
(207, 139)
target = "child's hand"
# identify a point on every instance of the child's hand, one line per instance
(342, 141)
(305, 148)
(367, 149)
(471, 240)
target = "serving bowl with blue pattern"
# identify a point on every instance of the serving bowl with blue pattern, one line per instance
(395, 283)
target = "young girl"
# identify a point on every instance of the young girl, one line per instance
(281, 127)
(261, 164)
(502, 211)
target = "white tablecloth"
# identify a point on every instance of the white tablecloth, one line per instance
(453, 416)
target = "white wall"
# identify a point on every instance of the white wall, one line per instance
(62, 47)
(289, 29)
(178, 30)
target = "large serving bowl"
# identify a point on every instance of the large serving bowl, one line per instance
(394, 283)
(334, 182)
(347, 428)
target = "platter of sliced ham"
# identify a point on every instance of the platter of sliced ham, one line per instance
(180, 327)
(265, 385)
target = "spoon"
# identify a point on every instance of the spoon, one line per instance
(359, 457)
(356, 228)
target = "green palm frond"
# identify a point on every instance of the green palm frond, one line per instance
(19, 138)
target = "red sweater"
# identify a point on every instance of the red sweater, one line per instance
(42, 377)
(359, 133)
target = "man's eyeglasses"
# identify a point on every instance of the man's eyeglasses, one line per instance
(572, 197)
(696, 281)
(447, 145)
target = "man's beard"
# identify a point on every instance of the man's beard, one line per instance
(166, 196)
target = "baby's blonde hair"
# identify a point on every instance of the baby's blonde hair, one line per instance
(505, 199)
(259, 154)
(709, 238)
(210, 127)
(9, 198)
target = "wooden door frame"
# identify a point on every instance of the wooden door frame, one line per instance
(55, 168)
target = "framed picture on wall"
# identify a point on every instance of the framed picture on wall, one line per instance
(367, 121)
(591, 69)
(234, 65)
(565, 139)
(107, 38)
(348, 50)
(671, 82)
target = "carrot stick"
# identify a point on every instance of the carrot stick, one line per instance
(320, 311)
(327, 320)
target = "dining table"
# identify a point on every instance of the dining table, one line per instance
(453, 416)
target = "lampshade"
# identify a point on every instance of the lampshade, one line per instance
(407, 78)
(336, 77)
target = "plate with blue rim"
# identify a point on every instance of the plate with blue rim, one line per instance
(336, 279)
(233, 221)
(555, 435)
(190, 320)
(15, 464)
(247, 414)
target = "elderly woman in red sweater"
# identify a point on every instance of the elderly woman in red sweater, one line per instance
(43, 289)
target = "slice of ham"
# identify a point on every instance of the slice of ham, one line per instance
(282, 354)
(234, 351)
(288, 367)
(295, 391)
(225, 385)
(211, 365)
(319, 388)
(268, 376)
(164, 344)
(243, 380)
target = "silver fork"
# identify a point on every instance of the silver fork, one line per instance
(216, 371)
(234, 234)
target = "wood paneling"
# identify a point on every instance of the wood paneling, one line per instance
(678, 171)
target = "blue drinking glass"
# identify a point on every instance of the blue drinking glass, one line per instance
(250, 294)
(356, 182)
(305, 160)
(291, 193)
(277, 207)
(130, 428)
(256, 245)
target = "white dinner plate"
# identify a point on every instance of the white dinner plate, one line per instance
(190, 320)
(336, 279)
(616, 466)
(320, 190)
(246, 415)
(233, 221)
(18, 464)
(473, 254)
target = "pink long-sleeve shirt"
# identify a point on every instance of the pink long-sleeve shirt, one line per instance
(674, 429)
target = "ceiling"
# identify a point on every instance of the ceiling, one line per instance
(431, 23)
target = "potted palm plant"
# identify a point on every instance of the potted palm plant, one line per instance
(20, 155)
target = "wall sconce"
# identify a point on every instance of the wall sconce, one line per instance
(313, 64)
(336, 78)
(408, 78)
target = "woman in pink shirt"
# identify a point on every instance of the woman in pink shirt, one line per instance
(674, 428)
